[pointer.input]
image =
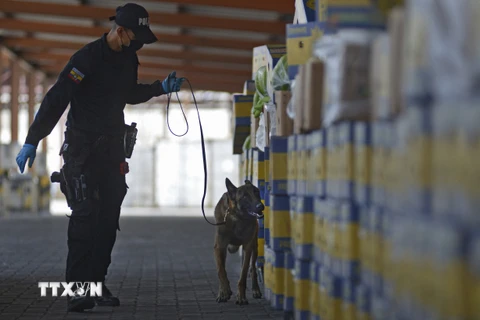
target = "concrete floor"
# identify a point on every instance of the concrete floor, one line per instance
(162, 268)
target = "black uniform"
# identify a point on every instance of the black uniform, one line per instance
(97, 82)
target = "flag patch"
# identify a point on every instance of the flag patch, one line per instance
(75, 75)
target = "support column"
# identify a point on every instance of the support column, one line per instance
(14, 93)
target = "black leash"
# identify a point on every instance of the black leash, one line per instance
(202, 141)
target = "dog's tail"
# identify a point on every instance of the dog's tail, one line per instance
(232, 248)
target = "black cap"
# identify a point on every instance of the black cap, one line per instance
(134, 17)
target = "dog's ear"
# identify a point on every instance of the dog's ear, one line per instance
(248, 182)
(232, 190)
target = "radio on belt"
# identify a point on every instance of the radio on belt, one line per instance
(129, 139)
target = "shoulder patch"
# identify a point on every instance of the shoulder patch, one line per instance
(76, 75)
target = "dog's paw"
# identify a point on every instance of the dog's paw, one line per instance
(241, 300)
(257, 294)
(224, 296)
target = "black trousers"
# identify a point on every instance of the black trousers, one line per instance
(93, 224)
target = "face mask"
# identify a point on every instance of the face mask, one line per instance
(135, 45)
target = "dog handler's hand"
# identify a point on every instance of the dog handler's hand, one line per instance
(172, 83)
(28, 152)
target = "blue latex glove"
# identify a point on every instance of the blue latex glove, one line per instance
(28, 152)
(172, 83)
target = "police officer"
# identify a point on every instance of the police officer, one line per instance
(98, 81)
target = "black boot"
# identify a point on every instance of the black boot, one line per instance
(107, 299)
(80, 303)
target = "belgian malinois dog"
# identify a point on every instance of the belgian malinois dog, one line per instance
(239, 208)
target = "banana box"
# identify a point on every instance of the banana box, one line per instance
(279, 168)
(304, 228)
(268, 274)
(292, 165)
(278, 278)
(314, 290)
(302, 164)
(289, 292)
(280, 223)
(302, 289)
(267, 220)
(310, 167)
(363, 162)
(467, 200)
(349, 305)
(473, 261)
(358, 17)
(349, 241)
(259, 171)
(379, 161)
(346, 160)
(364, 239)
(334, 300)
(446, 121)
(452, 284)
(318, 163)
(293, 217)
(333, 256)
(323, 293)
(250, 168)
(249, 87)
(261, 252)
(245, 164)
(376, 247)
(242, 105)
(333, 161)
(319, 229)
(418, 164)
(363, 302)
(300, 40)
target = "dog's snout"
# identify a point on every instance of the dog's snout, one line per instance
(260, 207)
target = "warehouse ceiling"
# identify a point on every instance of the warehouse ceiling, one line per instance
(208, 41)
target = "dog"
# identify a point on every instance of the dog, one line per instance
(239, 208)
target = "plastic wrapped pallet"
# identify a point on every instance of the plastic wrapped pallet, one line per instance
(284, 124)
(314, 75)
(346, 56)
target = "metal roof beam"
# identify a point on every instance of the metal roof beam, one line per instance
(30, 26)
(169, 19)
(281, 6)
(22, 43)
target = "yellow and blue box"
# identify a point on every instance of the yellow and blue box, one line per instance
(289, 292)
(379, 160)
(333, 162)
(346, 160)
(376, 216)
(268, 56)
(280, 223)
(261, 247)
(350, 246)
(314, 290)
(318, 161)
(245, 165)
(322, 292)
(293, 216)
(292, 165)
(342, 14)
(349, 305)
(334, 300)
(302, 289)
(259, 172)
(474, 276)
(363, 302)
(319, 229)
(242, 106)
(279, 168)
(304, 228)
(268, 274)
(278, 279)
(310, 167)
(302, 164)
(266, 211)
(249, 87)
(306, 10)
(363, 163)
(250, 164)
(419, 160)
(300, 42)
(332, 257)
